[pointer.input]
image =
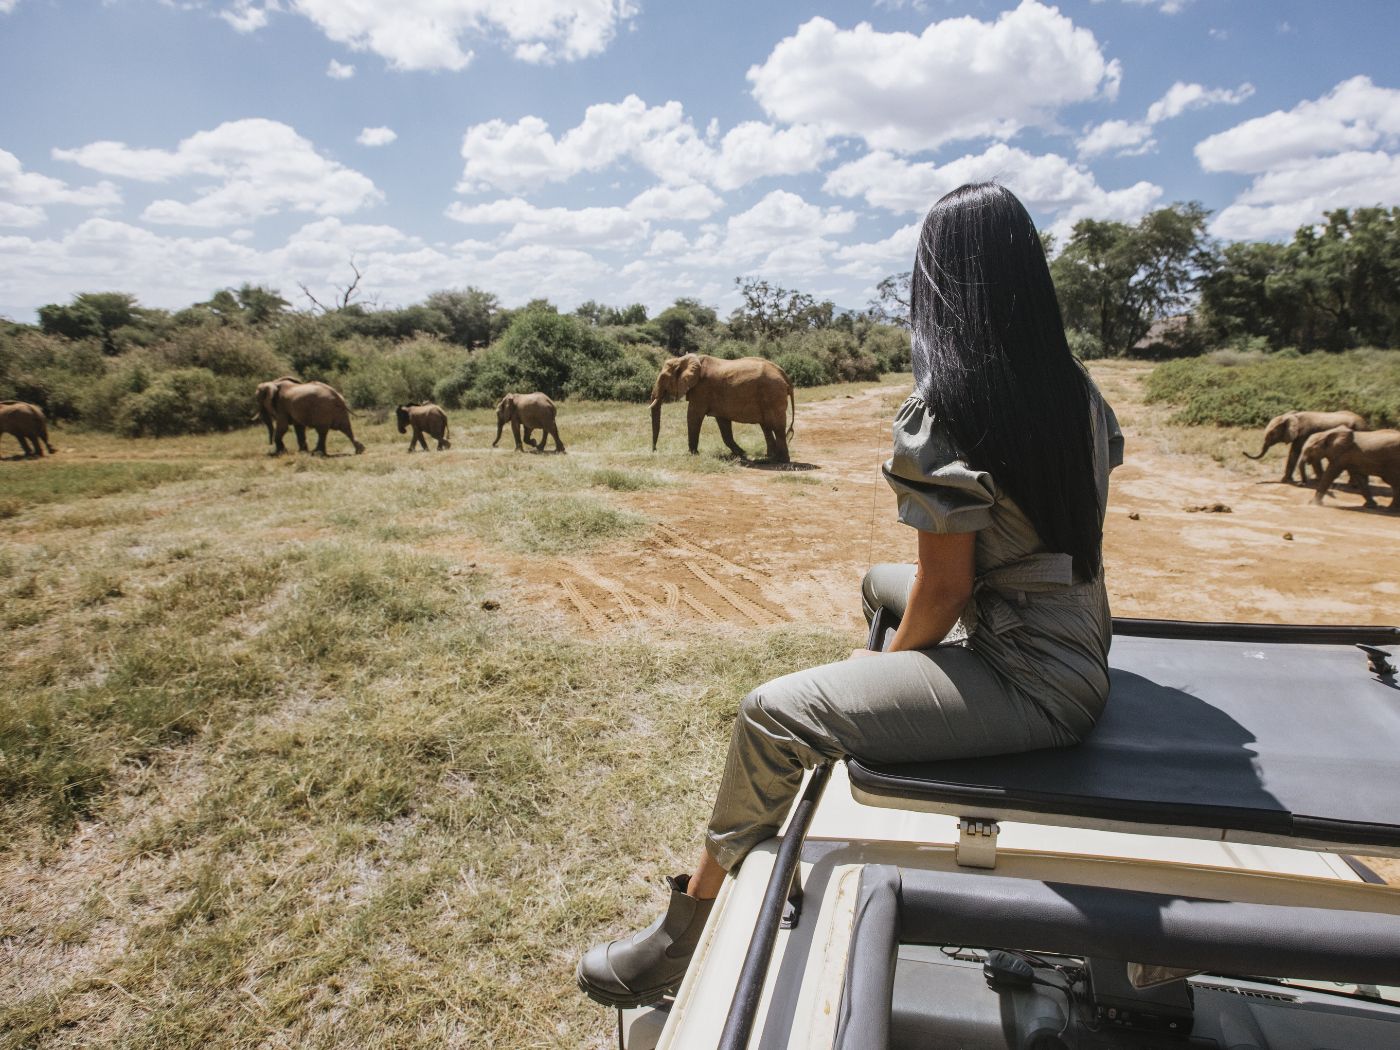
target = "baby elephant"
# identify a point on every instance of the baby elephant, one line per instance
(26, 422)
(531, 411)
(423, 418)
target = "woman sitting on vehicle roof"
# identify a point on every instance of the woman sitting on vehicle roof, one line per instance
(1001, 462)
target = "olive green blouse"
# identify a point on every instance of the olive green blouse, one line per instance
(1044, 631)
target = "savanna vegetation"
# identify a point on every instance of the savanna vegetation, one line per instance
(105, 362)
(316, 773)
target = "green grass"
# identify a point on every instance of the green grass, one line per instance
(286, 759)
(1247, 390)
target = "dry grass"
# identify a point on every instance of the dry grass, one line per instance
(274, 772)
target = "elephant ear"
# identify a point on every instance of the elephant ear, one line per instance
(690, 375)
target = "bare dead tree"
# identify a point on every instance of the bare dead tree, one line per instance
(343, 295)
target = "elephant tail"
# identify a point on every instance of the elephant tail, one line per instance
(792, 400)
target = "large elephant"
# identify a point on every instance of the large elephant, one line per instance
(747, 390)
(1362, 452)
(531, 411)
(288, 402)
(26, 422)
(1297, 427)
(425, 418)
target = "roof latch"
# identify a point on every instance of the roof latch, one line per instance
(977, 842)
(1378, 660)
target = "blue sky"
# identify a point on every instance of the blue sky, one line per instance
(622, 150)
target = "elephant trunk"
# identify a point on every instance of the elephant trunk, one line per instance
(655, 422)
(1261, 451)
(500, 427)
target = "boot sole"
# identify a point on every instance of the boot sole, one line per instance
(625, 1001)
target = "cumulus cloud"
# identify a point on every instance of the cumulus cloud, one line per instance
(23, 194)
(1356, 114)
(1333, 152)
(781, 235)
(245, 16)
(1129, 138)
(432, 34)
(1047, 183)
(530, 224)
(661, 139)
(380, 136)
(340, 70)
(259, 167)
(6, 6)
(960, 79)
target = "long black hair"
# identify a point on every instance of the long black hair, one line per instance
(992, 364)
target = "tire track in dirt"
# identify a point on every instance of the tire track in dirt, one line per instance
(744, 572)
(759, 615)
(705, 611)
(592, 615)
(615, 590)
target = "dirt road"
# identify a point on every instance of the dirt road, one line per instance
(760, 547)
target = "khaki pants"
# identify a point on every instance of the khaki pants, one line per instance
(921, 706)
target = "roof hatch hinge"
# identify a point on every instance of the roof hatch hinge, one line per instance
(1378, 660)
(977, 842)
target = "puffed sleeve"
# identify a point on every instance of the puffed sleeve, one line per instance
(936, 491)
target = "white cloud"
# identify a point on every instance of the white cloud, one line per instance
(872, 260)
(668, 242)
(376, 136)
(23, 194)
(676, 203)
(1047, 183)
(660, 139)
(1354, 115)
(340, 70)
(261, 167)
(781, 236)
(1337, 151)
(1130, 138)
(530, 224)
(244, 16)
(6, 6)
(431, 34)
(960, 79)
(1126, 138)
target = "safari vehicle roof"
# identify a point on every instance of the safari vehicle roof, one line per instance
(1281, 735)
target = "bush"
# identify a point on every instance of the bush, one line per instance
(183, 401)
(48, 371)
(804, 370)
(380, 375)
(222, 349)
(1234, 388)
(888, 344)
(1084, 345)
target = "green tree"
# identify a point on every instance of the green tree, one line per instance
(1114, 279)
(681, 324)
(471, 315)
(891, 302)
(770, 311)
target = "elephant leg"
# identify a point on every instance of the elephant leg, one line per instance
(349, 431)
(554, 432)
(412, 441)
(300, 428)
(694, 420)
(321, 433)
(1325, 482)
(726, 433)
(24, 446)
(278, 446)
(515, 433)
(779, 452)
(1294, 451)
(1361, 481)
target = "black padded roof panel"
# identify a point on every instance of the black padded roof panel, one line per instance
(1246, 730)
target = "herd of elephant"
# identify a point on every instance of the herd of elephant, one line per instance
(1332, 443)
(746, 390)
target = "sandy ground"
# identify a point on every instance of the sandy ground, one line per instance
(761, 546)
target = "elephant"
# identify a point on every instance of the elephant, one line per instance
(288, 402)
(425, 417)
(746, 390)
(531, 411)
(1313, 457)
(1297, 427)
(26, 422)
(1363, 452)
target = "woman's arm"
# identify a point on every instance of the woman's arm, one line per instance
(942, 588)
